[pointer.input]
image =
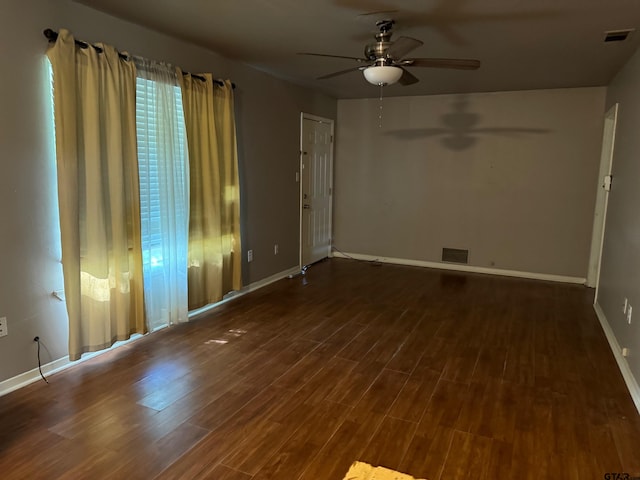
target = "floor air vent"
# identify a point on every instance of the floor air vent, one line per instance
(455, 255)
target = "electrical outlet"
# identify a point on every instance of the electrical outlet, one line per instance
(249, 255)
(3, 327)
(275, 249)
(624, 307)
(629, 310)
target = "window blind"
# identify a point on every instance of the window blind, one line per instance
(150, 136)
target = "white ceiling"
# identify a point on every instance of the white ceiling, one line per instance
(523, 44)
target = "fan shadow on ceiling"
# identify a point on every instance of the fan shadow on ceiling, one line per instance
(443, 17)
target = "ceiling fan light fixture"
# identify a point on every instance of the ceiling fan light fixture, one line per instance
(382, 74)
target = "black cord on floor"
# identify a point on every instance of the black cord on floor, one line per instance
(37, 340)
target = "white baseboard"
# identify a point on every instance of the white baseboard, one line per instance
(26, 378)
(623, 365)
(463, 268)
(243, 291)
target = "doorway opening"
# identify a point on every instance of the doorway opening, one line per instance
(602, 198)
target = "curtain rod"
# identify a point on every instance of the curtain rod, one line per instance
(52, 36)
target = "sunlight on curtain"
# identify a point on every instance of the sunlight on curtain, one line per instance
(164, 192)
(214, 223)
(94, 109)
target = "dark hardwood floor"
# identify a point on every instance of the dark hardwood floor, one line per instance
(439, 375)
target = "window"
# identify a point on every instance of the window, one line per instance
(152, 135)
(163, 175)
(111, 127)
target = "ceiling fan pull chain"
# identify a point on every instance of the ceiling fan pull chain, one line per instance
(380, 109)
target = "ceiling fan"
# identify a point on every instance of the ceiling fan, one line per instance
(385, 60)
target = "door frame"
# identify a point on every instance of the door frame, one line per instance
(602, 198)
(316, 118)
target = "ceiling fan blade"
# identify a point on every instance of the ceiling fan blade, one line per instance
(458, 63)
(334, 56)
(407, 78)
(382, 14)
(402, 46)
(341, 72)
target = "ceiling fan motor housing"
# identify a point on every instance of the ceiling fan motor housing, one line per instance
(377, 51)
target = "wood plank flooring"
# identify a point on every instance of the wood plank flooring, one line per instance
(439, 375)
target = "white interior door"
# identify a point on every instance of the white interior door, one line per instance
(316, 168)
(602, 198)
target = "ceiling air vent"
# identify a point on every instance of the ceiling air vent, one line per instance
(455, 255)
(617, 35)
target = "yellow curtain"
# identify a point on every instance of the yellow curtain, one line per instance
(98, 191)
(214, 219)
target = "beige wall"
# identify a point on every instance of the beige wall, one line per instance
(509, 176)
(620, 270)
(268, 127)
